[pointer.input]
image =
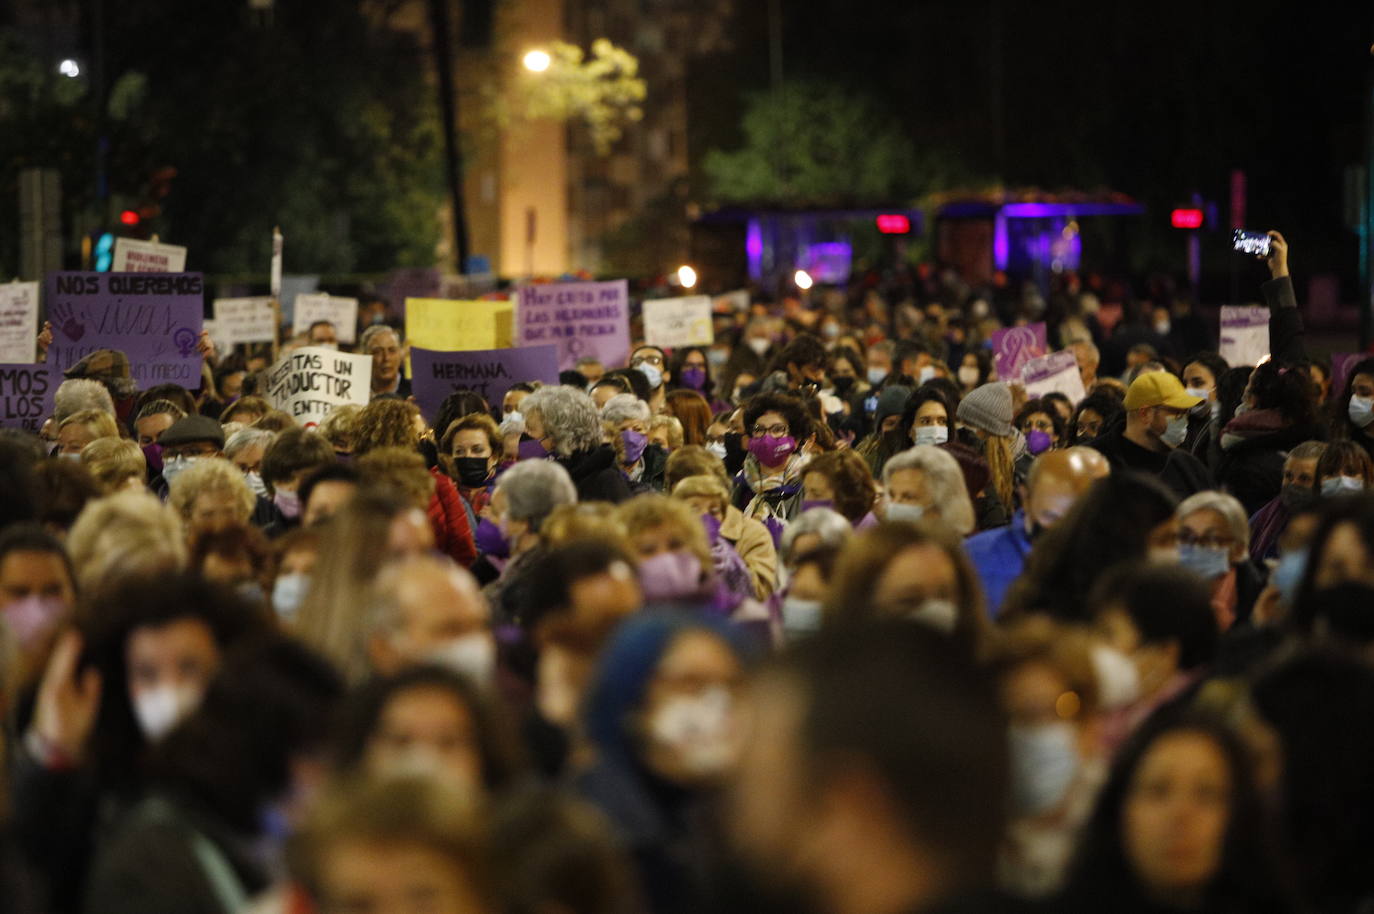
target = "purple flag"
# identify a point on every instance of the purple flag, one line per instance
(1013, 347)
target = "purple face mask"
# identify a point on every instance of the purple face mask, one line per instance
(1037, 442)
(32, 618)
(153, 454)
(693, 378)
(809, 503)
(288, 503)
(635, 443)
(531, 449)
(670, 577)
(772, 452)
(490, 540)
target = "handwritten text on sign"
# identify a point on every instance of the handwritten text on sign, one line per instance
(1013, 347)
(26, 394)
(309, 382)
(18, 321)
(1053, 373)
(132, 256)
(154, 319)
(341, 312)
(672, 322)
(489, 372)
(581, 319)
(1244, 335)
(246, 320)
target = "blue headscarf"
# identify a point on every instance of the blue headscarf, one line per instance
(627, 667)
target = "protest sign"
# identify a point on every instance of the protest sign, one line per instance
(450, 325)
(581, 318)
(26, 394)
(154, 319)
(1013, 347)
(673, 322)
(309, 382)
(132, 256)
(218, 339)
(246, 320)
(341, 312)
(1244, 335)
(18, 322)
(291, 288)
(1053, 373)
(489, 372)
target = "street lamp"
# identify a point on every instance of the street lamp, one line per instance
(686, 277)
(803, 280)
(69, 68)
(537, 61)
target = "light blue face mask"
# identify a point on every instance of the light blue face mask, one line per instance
(903, 512)
(1342, 485)
(1176, 432)
(876, 375)
(288, 592)
(1361, 411)
(1044, 763)
(1207, 563)
(800, 617)
(1288, 575)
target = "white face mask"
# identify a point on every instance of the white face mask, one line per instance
(909, 513)
(1044, 763)
(941, 615)
(1177, 431)
(699, 730)
(759, 345)
(288, 593)
(925, 374)
(473, 656)
(1118, 680)
(256, 484)
(930, 434)
(800, 617)
(968, 375)
(717, 448)
(175, 466)
(75, 458)
(160, 709)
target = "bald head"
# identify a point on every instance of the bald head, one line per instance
(423, 604)
(1056, 480)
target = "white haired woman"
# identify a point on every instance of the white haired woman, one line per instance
(1214, 542)
(566, 425)
(926, 481)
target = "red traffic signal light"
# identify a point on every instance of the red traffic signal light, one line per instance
(1190, 218)
(893, 224)
(129, 217)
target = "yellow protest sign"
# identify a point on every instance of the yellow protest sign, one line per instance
(450, 325)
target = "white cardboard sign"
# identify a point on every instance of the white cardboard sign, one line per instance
(131, 256)
(673, 322)
(341, 312)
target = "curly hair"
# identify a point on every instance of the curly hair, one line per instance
(340, 427)
(789, 407)
(211, 474)
(652, 510)
(850, 481)
(386, 423)
(1292, 392)
(569, 417)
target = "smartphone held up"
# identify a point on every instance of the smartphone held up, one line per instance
(1254, 244)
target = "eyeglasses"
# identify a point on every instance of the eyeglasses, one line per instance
(775, 431)
(651, 358)
(1208, 541)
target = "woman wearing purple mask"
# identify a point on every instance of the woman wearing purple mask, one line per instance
(626, 420)
(1042, 425)
(691, 370)
(769, 487)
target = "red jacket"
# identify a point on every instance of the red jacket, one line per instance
(448, 517)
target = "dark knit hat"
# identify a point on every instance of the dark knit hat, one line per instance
(891, 402)
(988, 409)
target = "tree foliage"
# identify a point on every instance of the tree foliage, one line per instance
(816, 144)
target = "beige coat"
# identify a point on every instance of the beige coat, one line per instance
(754, 544)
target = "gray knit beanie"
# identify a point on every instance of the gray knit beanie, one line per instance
(988, 408)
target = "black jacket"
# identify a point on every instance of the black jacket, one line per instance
(595, 474)
(1252, 470)
(1285, 322)
(1180, 471)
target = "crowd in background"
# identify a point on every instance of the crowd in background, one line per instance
(823, 616)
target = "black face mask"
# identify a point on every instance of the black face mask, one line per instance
(734, 452)
(1297, 498)
(472, 471)
(842, 385)
(1346, 611)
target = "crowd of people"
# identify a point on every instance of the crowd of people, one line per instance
(823, 616)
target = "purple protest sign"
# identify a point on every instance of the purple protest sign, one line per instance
(1013, 347)
(26, 393)
(1053, 373)
(489, 372)
(580, 318)
(153, 318)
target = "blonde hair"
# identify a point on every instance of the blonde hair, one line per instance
(401, 470)
(340, 427)
(211, 475)
(698, 486)
(128, 534)
(100, 423)
(593, 520)
(1001, 469)
(649, 512)
(693, 460)
(113, 462)
(674, 427)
